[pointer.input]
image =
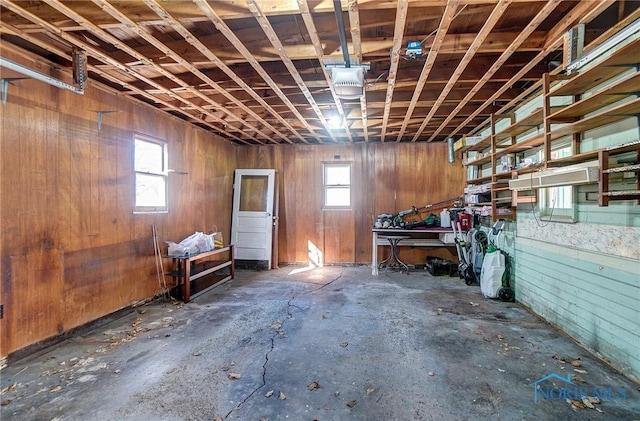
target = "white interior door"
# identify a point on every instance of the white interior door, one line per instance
(252, 219)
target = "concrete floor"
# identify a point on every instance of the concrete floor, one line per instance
(332, 343)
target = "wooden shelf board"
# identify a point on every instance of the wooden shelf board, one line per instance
(530, 143)
(503, 175)
(619, 194)
(625, 168)
(483, 144)
(532, 120)
(613, 93)
(628, 55)
(628, 109)
(480, 161)
(528, 170)
(479, 179)
(626, 147)
(580, 157)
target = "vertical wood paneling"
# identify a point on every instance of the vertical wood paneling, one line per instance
(71, 249)
(387, 178)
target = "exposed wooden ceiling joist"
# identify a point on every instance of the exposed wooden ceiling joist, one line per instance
(253, 71)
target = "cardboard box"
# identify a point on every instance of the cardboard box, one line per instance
(466, 141)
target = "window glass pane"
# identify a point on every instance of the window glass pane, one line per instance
(150, 190)
(337, 196)
(337, 175)
(254, 191)
(149, 157)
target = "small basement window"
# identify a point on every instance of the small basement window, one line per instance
(151, 169)
(337, 185)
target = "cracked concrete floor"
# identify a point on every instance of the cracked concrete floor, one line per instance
(329, 343)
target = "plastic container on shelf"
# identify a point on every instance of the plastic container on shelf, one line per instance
(445, 219)
(465, 221)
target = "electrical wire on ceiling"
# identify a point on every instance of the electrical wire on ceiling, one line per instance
(370, 84)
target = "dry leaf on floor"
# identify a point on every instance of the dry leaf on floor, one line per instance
(56, 389)
(594, 399)
(276, 325)
(235, 376)
(5, 402)
(499, 336)
(588, 404)
(576, 363)
(352, 403)
(142, 311)
(269, 394)
(217, 419)
(577, 370)
(282, 396)
(344, 344)
(370, 391)
(313, 385)
(197, 353)
(576, 404)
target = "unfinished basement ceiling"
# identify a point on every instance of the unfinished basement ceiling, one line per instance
(254, 71)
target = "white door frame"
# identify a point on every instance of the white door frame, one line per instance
(252, 231)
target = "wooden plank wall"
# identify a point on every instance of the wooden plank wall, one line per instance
(387, 177)
(592, 296)
(71, 249)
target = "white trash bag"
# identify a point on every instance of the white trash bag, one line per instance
(493, 268)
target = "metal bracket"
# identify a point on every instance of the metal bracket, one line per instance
(101, 113)
(4, 86)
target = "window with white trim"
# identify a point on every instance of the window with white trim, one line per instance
(557, 203)
(150, 164)
(337, 185)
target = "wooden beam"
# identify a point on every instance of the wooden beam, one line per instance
(147, 36)
(315, 40)
(109, 38)
(401, 17)
(226, 31)
(99, 55)
(495, 15)
(110, 77)
(526, 31)
(263, 21)
(445, 22)
(580, 13)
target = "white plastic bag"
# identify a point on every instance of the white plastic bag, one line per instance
(493, 268)
(175, 249)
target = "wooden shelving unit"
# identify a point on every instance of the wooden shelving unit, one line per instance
(605, 194)
(612, 101)
(196, 274)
